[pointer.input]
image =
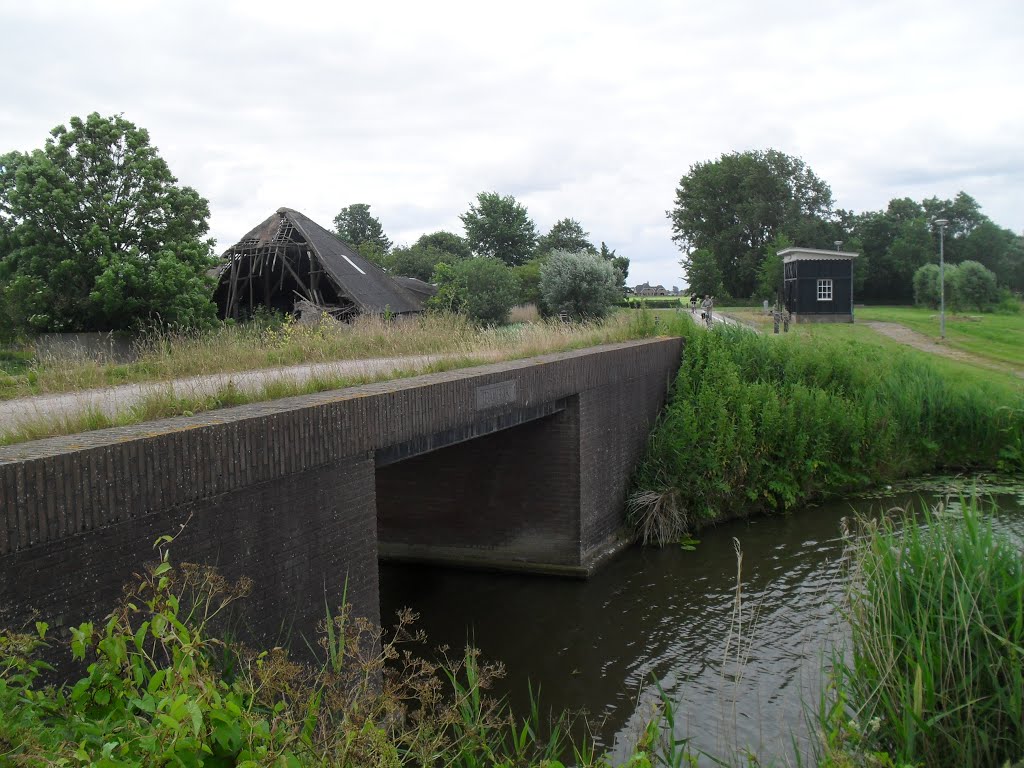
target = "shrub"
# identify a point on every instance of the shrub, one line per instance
(581, 284)
(926, 286)
(484, 289)
(974, 286)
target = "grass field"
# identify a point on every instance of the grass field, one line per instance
(997, 340)
(995, 337)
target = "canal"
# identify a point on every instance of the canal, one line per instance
(740, 678)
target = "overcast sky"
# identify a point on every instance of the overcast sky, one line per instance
(589, 110)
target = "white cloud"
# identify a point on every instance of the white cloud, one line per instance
(588, 110)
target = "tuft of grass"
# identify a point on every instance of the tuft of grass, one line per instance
(935, 673)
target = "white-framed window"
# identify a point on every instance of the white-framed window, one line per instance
(824, 290)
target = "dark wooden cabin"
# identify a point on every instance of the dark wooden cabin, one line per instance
(818, 284)
(289, 260)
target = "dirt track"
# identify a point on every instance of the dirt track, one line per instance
(904, 335)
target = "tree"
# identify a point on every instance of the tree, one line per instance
(99, 234)
(1000, 250)
(974, 286)
(448, 242)
(770, 274)
(528, 275)
(582, 284)
(419, 261)
(565, 235)
(501, 228)
(484, 289)
(619, 263)
(357, 226)
(732, 207)
(702, 274)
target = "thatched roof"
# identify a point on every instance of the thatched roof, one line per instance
(354, 278)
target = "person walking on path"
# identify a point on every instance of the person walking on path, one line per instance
(706, 306)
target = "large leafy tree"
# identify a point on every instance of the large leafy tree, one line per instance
(703, 275)
(733, 206)
(501, 228)
(565, 235)
(98, 235)
(362, 230)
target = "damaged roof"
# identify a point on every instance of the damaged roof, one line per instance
(371, 289)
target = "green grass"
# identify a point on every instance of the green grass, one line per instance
(763, 423)
(935, 675)
(995, 337)
(1003, 374)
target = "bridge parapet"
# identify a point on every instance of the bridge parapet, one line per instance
(292, 492)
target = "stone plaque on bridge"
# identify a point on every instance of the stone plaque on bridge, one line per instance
(495, 395)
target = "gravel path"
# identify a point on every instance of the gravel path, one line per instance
(904, 335)
(114, 400)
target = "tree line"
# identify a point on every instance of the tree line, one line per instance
(733, 214)
(500, 261)
(96, 234)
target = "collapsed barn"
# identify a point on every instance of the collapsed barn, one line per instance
(289, 263)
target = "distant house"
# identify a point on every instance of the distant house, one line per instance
(290, 262)
(818, 284)
(646, 289)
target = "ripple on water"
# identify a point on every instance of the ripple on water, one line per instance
(668, 615)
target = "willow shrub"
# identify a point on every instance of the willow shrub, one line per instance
(935, 673)
(759, 423)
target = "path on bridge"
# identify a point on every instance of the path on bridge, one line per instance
(114, 400)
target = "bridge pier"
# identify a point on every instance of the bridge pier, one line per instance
(521, 464)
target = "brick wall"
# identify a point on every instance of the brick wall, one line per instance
(284, 490)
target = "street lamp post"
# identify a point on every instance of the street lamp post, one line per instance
(941, 224)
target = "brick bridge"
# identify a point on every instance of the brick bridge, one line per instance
(522, 464)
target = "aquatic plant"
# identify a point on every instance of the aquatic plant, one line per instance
(935, 670)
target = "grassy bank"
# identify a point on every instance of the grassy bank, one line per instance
(935, 672)
(761, 423)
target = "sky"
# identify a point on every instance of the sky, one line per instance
(589, 110)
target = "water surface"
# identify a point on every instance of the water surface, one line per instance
(739, 679)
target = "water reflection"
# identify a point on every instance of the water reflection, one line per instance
(741, 680)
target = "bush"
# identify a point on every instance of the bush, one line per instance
(937, 664)
(581, 284)
(926, 286)
(484, 289)
(974, 286)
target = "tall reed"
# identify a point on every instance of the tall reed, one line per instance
(935, 675)
(759, 423)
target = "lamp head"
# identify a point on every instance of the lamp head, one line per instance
(941, 223)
